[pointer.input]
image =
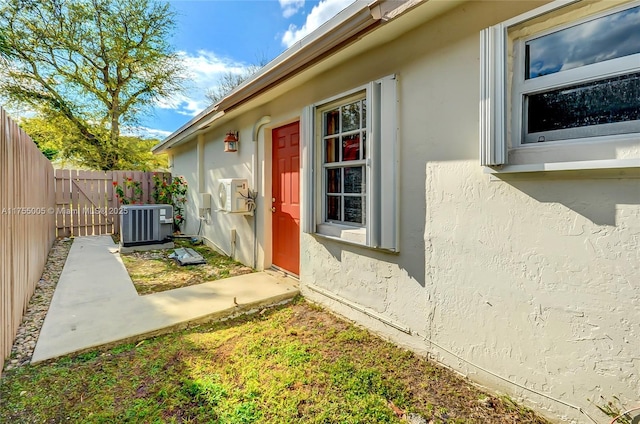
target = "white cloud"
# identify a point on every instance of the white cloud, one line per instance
(291, 7)
(145, 132)
(204, 70)
(320, 14)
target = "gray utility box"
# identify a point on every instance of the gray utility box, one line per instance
(145, 224)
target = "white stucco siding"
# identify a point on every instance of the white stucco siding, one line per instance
(184, 159)
(533, 278)
(217, 226)
(537, 281)
(220, 165)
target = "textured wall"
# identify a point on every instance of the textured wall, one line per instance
(217, 165)
(534, 278)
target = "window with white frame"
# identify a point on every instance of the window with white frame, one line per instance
(562, 83)
(344, 154)
(354, 160)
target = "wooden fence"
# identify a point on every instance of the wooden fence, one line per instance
(86, 202)
(27, 225)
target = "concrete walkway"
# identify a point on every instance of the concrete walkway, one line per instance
(95, 302)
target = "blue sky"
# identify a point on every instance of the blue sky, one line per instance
(218, 36)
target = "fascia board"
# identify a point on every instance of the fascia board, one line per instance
(352, 21)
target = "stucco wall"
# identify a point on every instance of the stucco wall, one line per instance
(530, 281)
(535, 278)
(217, 225)
(182, 163)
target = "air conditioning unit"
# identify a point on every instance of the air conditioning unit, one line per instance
(233, 194)
(145, 224)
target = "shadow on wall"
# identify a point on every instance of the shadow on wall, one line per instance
(599, 200)
(409, 260)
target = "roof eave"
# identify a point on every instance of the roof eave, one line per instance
(348, 25)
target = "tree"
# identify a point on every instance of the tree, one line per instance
(95, 64)
(230, 80)
(62, 143)
(4, 49)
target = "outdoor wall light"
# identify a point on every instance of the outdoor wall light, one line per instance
(231, 141)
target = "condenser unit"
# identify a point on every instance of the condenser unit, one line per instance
(145, 224)
(233, 195)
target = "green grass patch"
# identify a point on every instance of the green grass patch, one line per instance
(293, 364)
(153, 271)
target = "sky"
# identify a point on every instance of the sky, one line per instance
(605, 38)
(214, 37)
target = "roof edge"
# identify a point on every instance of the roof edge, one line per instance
(351, 21)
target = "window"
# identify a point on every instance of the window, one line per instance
(353, 153)
(560, 81)
(344, 141)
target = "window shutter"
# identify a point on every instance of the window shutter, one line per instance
(493, 145)
(308, 187)
(383, 205)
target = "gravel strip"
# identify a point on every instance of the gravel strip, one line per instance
(32, 321)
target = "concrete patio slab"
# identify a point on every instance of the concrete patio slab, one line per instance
(95, 302)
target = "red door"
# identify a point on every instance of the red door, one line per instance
(286, 197)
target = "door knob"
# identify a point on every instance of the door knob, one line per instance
(273, 209)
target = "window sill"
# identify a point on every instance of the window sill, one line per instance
(347, 235)
(610, 168)
(343, 232)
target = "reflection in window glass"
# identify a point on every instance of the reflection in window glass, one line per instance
(332, 122)
(333, 180)
(331, 150)
(351, 147)
(606, 101)
(353, 207)
(353, 180)
(333, 208)
(351, 117)
(605, 38)
(364, 113)
(364, 145)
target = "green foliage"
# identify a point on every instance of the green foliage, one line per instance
(207, 389)
(615, 409)
(135, 155)
(171, 192)
(133, 187)
(245, 413)
(88, 356)
(95, 66)
(61, 142)
(4, 49)
(123, 348)
(49, 152)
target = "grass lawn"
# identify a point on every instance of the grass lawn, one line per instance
(154, 272)
(293, 364)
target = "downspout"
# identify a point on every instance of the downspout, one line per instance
(200, 183)
(255, 177)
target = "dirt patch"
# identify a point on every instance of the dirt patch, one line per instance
(153, 271)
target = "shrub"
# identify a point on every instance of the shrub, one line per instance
(134, 187)
(171, 192)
